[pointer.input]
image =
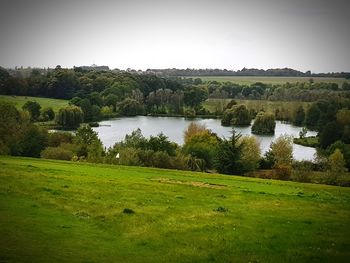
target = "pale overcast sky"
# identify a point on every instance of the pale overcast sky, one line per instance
(302, 34)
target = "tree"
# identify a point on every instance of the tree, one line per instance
(329, 134)
(162, 144)
(336, 164)
(264, 123)
(282, 150)
(70, 117)
(31, 141)
(47, 114)
(228, 156)
(312, 116)
(202, 145)
(33, 108)
(111, 100)
(299, 116)
(236, 115)
(130, 107)
(193, 129)
(344, 148)
(195, 95)
(88, 142)
(12, 122)
(62, 83)
(251, 153)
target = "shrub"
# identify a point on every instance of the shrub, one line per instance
(33, 108)
(58, 153)
(282, 172)
(302, 171)
(55, 139)
(47, 114)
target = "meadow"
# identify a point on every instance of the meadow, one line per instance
(19, 101)
(56, 211)
(247, 80)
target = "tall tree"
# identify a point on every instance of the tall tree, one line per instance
(228, 156)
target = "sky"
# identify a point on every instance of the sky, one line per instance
(140, 34)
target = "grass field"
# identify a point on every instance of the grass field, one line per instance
(19, 101)
(55, 211)
(247, 80)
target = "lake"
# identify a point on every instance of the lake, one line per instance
(114, 130)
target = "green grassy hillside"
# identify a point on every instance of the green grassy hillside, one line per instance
(247, 80)
(19, 101)
(57, 211)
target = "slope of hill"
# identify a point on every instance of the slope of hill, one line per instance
(57, 211)
(19, 101)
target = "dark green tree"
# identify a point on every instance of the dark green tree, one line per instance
(47, 114)
(228, 156)
(33, 108)
(299, 116)
(195, 95)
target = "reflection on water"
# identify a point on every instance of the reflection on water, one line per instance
(114, 130)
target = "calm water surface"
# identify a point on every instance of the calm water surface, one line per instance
(114, 130)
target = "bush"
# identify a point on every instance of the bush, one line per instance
(282, 172)
(57, 153)
(55, 139)
(33, 108)
(47, 114)
(302, 171)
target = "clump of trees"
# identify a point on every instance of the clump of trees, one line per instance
(236, 115)
(264, 123)
(18, 135)
(70, 117)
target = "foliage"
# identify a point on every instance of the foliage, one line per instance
(202, 145)
(88, 143)
(47, 114)
(251, 153)
(228, 156)
(58, 153)
(236, 115)
(299, 116)
(195, 95)
(193, 129)
(330, 133)
(130, 107)
(336, 166)
(33, 108)
(17, 135)
(302, 171)
(264, 123)
(282, 150)
(70, 117)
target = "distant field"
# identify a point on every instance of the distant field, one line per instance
(218, 104)
(270, 80)
(55, 211)
(19, 101)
